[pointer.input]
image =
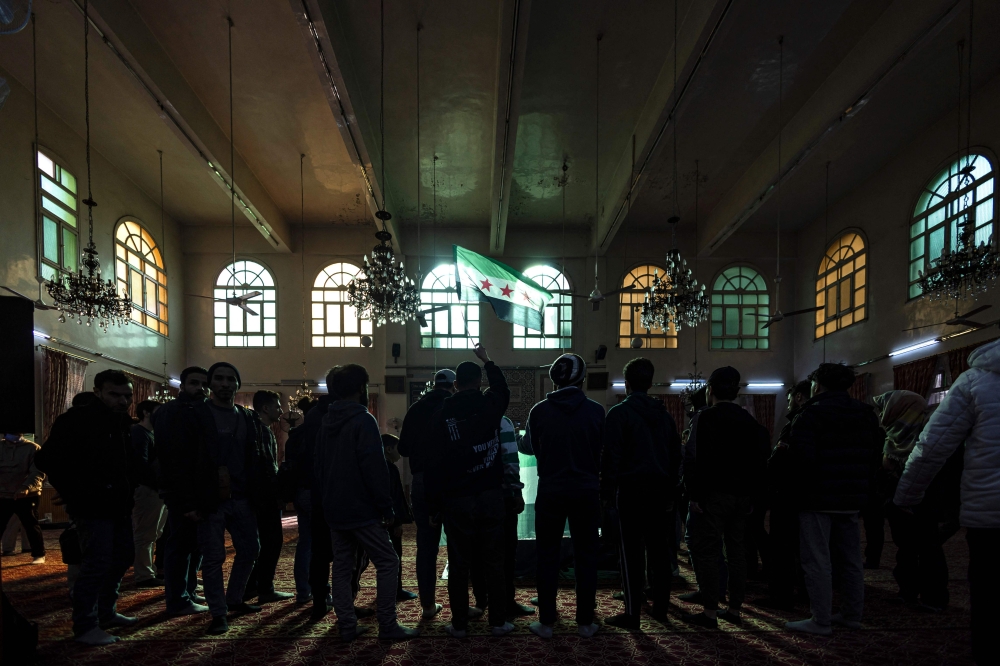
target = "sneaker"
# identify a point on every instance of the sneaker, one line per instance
(540, 630)
(190, 609)
(197, 598)
(38, 560)
(243, 608)
(618, 596)
(96, 636)
(405, 595)
(839, 619)
(118, 620)
(810, 627)
(503, 629)
(519, 610)
(624, 621)
(730, 617)
(700, 620)
(587, 630)
(218, 626)
(149, 583)
(272, 596)
(348, 636)
(533, 601)
(430, 611)
(319, 610)
(304, 599)
(474, 612)
(249, 594)
(455, 633)
(398, 633)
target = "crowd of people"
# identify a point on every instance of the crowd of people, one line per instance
(199, 466)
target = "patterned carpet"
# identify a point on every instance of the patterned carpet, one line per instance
(281, 634)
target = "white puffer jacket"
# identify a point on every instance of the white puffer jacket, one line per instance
(970, 413)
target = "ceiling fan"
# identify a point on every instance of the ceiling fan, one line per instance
(958, 320)
(39, 305)
(422, 315)
(238, 301)
(778, 315)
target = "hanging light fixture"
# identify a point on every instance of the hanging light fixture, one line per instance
(303, 392)
(971, 269)
(86, 296)
(163, 394)
(383, 292)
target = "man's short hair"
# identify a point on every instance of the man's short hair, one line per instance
(833, 376)
(145, 407)
(725, 382)
(305, 404)
(389, 440)
(639, 374)
(801, 388)
(345, 380)
(193, 370)
(468, 375)
(113, 377)
(263, 397)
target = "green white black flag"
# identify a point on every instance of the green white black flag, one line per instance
(514, 297)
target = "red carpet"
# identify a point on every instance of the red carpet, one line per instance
(282, 635)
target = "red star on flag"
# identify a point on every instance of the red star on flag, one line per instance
(486, 284)
(507, 291)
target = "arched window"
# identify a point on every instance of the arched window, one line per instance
(454, 328)
(335, 323)
(629, 325)
(139, 274)
(841, 285)
(234, 326)
(961, 194)
(557, 319)
(738, 296)
(57, 218)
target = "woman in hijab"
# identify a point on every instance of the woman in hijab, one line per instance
(921, 570)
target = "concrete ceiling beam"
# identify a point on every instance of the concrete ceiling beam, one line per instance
(120, 27)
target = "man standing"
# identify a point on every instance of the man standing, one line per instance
(415, 444)
(21, 489)
(642, 454)
(267, 506)
(181, 556)
(88, 459)
(148, 515)
(565, 433)
(464, 480)
(224, 456)
(357, 501)
(969, 415)
(727, 471)
(834, 449)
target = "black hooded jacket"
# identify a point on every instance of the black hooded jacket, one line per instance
(168, 432)
(413, 437)
(300, 448)
(566, 434)
(641, 445)
(731, 451)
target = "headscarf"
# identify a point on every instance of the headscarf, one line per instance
(903, 415)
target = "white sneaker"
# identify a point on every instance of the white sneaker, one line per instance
(38, 560)
(455, 633)
(430, 612)
(540, 630)
(840, 620)
(810, 627)
(502, 630)
(474, 612)
(96, 636)
(588, 630)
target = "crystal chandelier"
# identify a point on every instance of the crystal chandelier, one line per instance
(383, 293)
(163, 394)
(86, 296)
(676, 298)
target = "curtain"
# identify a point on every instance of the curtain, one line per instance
(958, 359)
(862, 388)
(675, 407)
(62, 378)
(244, 399)
(915, 376)
(763, 409)
(142, 389)
(373, 405)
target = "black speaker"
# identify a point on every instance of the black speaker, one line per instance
(602, 351)
(17, 380)
(395, 352)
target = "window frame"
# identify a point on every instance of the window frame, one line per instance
(442, 296)
(561, 298)
(57, 213)
(821, 319)
(762, 308)
(947, 223)
(364, 326)
(636, 299)
(260, 301)
(140, 312)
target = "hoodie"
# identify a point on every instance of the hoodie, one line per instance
(566, 434)
(300, 447)
(730, 457)
(969, 415)
(641, 445)
(352, 474)
(413, 437)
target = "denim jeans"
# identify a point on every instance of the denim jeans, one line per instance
(375, 541)
(238, 518)
(722, 523)
(271, 536)
(303, 548)
(831, 550)
(428, 543)
(583, 511)
(149, 517)
(694, 523)
(106, 546)
(474, 526)
(181, 561)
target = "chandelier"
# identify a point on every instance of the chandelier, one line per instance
(676, 298)
(695, 383)
(383, 293)
(969, 271)
(86, 296)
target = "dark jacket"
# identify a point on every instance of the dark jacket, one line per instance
(779, 477)
(144, 453)
(196, 477)
(566, 434)
(400, 507)
(168, 433)
(641, 445)
(300, 447)
(413, 442)
(353, 479)
(467, 460)
(88, 459)
(731, 451)
(835, 447)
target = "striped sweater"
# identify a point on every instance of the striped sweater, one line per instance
(511, 466)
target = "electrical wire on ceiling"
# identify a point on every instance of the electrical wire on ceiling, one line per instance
(232, 155)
